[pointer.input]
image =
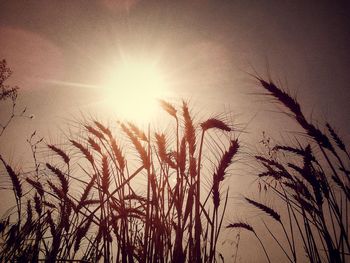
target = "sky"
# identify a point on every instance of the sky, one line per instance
(205, 47)
(63, 53)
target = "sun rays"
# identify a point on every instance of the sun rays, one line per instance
(133, 87)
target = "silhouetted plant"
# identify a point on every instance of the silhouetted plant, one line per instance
(8, 93)
(312, 180)
(89, 206)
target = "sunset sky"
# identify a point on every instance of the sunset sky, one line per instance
(68, 57)
(63, 52)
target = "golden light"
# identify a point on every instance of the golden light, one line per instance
(133, 89)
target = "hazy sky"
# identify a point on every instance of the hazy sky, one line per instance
(61, 52)
(205, 47)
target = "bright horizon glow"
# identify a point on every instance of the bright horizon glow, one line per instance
(133, 89)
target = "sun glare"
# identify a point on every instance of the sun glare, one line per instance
(134, 88)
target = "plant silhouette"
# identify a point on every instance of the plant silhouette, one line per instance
(311, 179)
(87, 204)
(128, 195)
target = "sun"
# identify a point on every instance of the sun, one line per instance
(133, 89)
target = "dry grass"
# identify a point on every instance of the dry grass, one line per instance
(313, 186)
(87, 206)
